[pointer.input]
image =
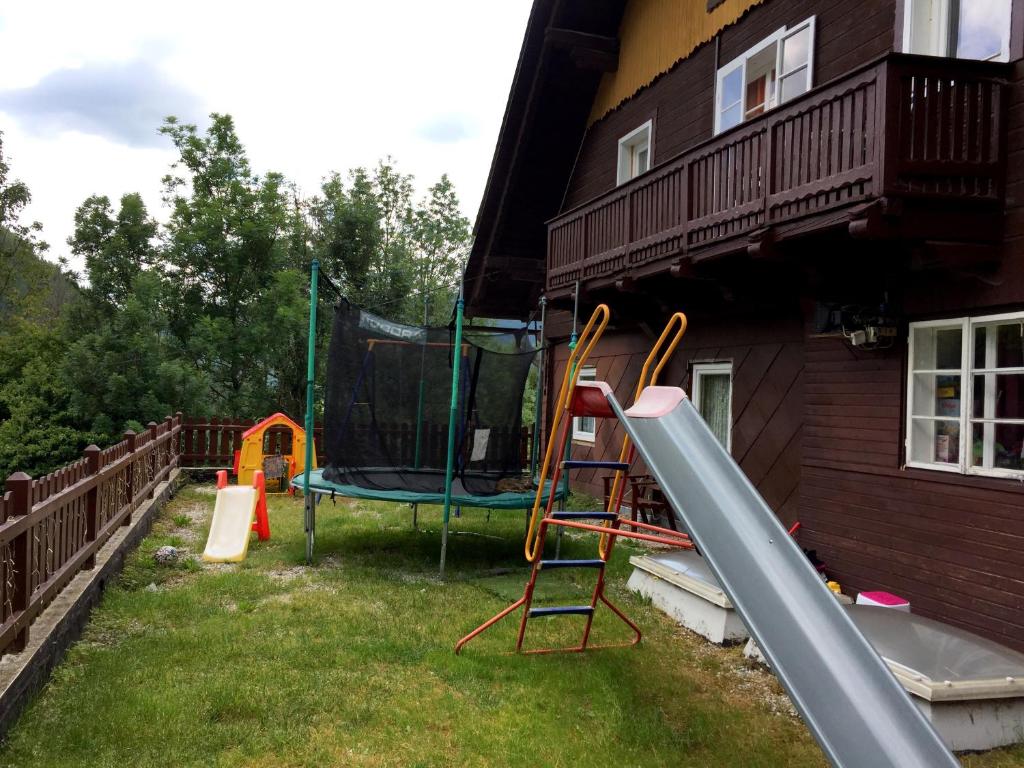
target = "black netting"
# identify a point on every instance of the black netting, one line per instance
(388, 399)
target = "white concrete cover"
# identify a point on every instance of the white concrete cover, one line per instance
(938, 662)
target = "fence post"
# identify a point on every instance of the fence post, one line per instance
(20, 486)
(153, 456)
(175, 453)
(169, 453)
(130, 437)
(93, 463)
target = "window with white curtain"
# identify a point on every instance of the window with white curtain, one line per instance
(584, 428)
(963, 29)
(777, 69)
(965, 409)
(712, 396)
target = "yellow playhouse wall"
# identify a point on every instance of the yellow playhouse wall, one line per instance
(653, 36)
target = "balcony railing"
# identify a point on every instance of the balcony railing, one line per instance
(902, 126)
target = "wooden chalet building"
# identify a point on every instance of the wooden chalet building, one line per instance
(834, 193)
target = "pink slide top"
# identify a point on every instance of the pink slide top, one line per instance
(656, 402)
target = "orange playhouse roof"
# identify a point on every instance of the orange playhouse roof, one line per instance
(271, 421)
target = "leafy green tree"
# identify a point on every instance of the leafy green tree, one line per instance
(130, 368)
(115, 248)
(441, 240)
(223, 249)
(346, 232)
(37, 429)
(22, 273)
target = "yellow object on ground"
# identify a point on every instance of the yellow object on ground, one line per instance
(232, 524)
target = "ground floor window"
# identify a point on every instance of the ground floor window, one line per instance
(965, 395)
(712, 395)
(584, 428)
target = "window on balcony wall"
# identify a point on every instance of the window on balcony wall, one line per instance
(584, 428)
(965, 409)
(964, 29)
(635, 152)
(777, 69)
(712, 395)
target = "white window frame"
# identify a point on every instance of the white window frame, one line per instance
(699, 371)
(967, 375)
(810, 24)
(579, 434)
(774, 97)
(628, 146)
(942, 34)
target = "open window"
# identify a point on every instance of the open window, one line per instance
(635, 152)
(584, 428)
(965, 409)
(777, 69)
(712, 395)
(963, 29)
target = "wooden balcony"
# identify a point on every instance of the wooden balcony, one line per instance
(904, 132)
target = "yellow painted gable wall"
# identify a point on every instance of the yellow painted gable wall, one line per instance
(654, 35)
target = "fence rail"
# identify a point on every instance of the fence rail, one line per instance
(52, 527)
(902, 126)
(211, 443)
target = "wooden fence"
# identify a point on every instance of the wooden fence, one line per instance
(211, 443)
(52, 527)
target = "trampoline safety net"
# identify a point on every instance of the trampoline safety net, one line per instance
(388, 399)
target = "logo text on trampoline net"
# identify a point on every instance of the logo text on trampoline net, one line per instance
(370, 322)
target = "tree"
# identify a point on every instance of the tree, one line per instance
(37, 429)
(115, 250)
(441, 238)
(129, 367)
(21, 272)
(346, 232)
(222, 252)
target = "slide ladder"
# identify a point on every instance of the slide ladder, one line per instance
(574, 402)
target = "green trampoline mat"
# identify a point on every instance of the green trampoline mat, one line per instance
(507, 500)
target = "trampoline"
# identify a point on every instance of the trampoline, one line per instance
(427, 415)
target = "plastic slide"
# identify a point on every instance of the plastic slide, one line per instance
(232, 522)
(853, 705)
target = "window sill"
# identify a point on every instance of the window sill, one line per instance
(584, 440)
(970, 479)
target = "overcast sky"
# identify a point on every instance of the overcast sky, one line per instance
(313, 87)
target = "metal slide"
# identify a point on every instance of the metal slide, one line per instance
(853, 705)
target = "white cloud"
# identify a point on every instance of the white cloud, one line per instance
(313, 87)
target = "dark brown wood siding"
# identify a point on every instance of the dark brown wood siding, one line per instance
(767, 399)
(681, 102)
(952, 545)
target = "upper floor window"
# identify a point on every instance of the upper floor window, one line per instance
(712, 395)
(777, 69)
(635, 153)
(584, 428)
(965, 409)
(964, 29)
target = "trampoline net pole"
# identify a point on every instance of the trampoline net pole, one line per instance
(310, 508)
(452, 414)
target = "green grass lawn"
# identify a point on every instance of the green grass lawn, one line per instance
(350, 662)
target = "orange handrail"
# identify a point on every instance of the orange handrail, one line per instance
(647, 379)
(578, 356)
